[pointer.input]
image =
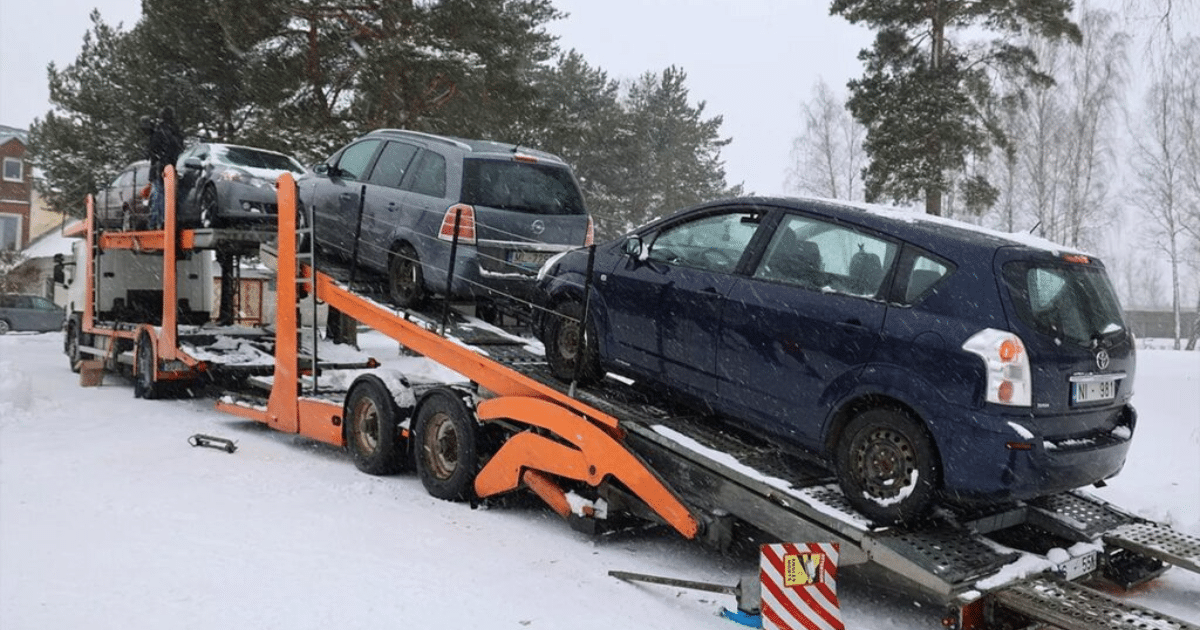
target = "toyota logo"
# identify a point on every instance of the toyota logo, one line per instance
(538, 227)
(1102, 359)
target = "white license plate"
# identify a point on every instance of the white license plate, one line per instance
(519, 257)
(1093, 391)
(1079, 566)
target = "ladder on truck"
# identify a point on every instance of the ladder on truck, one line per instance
(688, 475)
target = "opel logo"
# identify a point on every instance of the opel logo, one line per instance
(538, 227)
(1102, 359)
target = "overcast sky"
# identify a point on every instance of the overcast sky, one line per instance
(750, 61)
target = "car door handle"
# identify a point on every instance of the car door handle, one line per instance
(392, 207)
(346, 196)
(852, 325)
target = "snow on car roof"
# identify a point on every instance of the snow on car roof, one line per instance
(930, 221)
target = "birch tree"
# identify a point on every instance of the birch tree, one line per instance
(1160, 162)
(827, 157)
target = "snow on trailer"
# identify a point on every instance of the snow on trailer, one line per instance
(610, 449)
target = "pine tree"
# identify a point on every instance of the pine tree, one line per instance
(675, 155)
(929, 102)
(93, 133)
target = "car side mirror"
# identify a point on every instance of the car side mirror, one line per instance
(633, 247)
(325, 169)
(193, 163)
(60, 275)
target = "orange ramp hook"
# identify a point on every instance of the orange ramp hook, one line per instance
(589, 454)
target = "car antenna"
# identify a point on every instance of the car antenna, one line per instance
(1035, 226)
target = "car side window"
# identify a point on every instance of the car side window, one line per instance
(826, 256)
(714, 242)
(392, 164)
(42, 304)
(353, 162)
(925, 275)
(429, 175)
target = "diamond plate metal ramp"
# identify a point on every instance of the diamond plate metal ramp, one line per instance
(1070, 606)
(1163, 543)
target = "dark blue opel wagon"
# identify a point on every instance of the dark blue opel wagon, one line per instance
(921, 359)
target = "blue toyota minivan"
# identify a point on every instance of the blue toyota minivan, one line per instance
(920, 359)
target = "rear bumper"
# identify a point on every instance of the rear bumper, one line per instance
(479, 273)
(995, 460)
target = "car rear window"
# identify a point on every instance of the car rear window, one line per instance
(1072, 302)
(520, 186)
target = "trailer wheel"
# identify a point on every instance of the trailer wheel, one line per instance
(406, 284)
(74, 338)
(563, 347)
(887, 466)
(445, 438)
(144, 385)
(372, 429)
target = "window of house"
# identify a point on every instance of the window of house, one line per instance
(14, 170)
(10, 231)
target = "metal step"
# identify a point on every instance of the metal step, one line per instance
(1070, 606)
(1162, 543)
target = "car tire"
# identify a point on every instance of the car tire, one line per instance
(564, 350)
(144, 385)
(887, 466)
(445, 446)
(210, 209)
(406, 281)
(373, 429)
(74, 339)
(4, 327)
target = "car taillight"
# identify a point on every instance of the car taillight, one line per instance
(590, 238)
(466, 224)
(1007, 364)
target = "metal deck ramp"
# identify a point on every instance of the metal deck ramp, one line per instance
(1070, 606)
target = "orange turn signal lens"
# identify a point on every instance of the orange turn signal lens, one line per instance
(1009, 350)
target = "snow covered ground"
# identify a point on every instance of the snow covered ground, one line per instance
(109, 519)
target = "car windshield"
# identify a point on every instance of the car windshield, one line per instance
(242, 156)
(1072, 302)
(520, 186)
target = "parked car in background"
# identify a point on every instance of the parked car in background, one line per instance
(125, 203)
(29, 312)
(223, 185)
(514, 207)
(919, 359)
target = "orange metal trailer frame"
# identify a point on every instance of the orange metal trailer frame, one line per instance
(171, 364)
(586, 445)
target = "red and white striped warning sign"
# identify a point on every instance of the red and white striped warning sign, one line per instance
(799, 587)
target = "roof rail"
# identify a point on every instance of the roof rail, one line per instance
(427, 136)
